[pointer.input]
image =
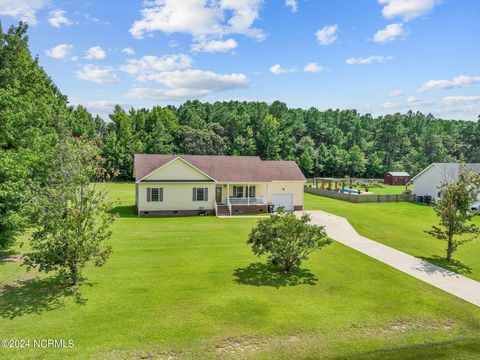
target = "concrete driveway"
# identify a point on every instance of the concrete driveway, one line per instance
(339, 229)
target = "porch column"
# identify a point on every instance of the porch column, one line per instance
(248, 194)
(228, 193)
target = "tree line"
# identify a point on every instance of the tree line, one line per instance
(334, 143)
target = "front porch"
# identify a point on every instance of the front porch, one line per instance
(233, 199)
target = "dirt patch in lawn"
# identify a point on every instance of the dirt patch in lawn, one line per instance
(403, 327)
(11, 259)
(238, 347)
(17, 283)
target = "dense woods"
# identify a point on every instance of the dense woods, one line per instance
(324, 143)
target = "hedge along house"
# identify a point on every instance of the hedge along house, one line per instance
(168, 185)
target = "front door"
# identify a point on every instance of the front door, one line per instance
(218, 194)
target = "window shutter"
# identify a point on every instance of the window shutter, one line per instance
(149, 194)
(206, 194)
(161, 194)
(194, 194)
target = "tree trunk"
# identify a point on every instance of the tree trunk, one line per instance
(74, 275)
(449, 249)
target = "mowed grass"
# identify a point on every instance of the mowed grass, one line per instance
(387, 190)
(402, 226)
(190, 288)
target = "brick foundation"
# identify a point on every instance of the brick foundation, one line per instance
(174, 213)
(297, 207)
(248, 209)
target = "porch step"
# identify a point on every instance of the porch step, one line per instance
(223, 210)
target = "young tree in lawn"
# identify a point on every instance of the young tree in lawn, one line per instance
(454, 211)
(286, 239)
(73, 216)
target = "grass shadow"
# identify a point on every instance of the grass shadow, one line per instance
(452, 265)
(8, 255)
(124, 211)
(35, 296)
(258, 274)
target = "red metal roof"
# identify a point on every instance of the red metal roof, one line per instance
(225, 168)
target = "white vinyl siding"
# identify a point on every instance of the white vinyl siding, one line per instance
(178, 169)
(287, 187)
(176, 196)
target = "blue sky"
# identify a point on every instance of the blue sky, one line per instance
(378, 56)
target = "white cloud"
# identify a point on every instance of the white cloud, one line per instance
(456, 82)
(410, 103)
(61, 51)
(95, 53)
(396, 93)
(327, 35)
(453, 100)
(390, 33)
(412, 100)
(97, 106)
(97, 74)
(199, 18)
(128, 51)
(389, 105)
(95, 19)
(278, 69)
(368, 60)
(292, 4)
(313, 67)
(212, 46)
(150, 65)
(58, 17)
(406, 9)
(22, 9)
(187, 84)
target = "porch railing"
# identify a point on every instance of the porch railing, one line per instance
(247, 201)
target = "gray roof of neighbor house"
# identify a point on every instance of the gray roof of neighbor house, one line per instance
(398, 173)
(225, 168)
(450, 169)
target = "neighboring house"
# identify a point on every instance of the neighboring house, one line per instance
(396, 178)
(428, 181)
(167, 185)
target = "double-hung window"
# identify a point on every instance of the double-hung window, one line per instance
(238, 191)
(200, 194)
(154, 194)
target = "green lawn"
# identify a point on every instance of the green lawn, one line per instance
(388, 190)
(190, 287)
(402, 226)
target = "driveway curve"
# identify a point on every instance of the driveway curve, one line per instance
(339, 229)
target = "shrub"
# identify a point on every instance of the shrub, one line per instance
(286, 239)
